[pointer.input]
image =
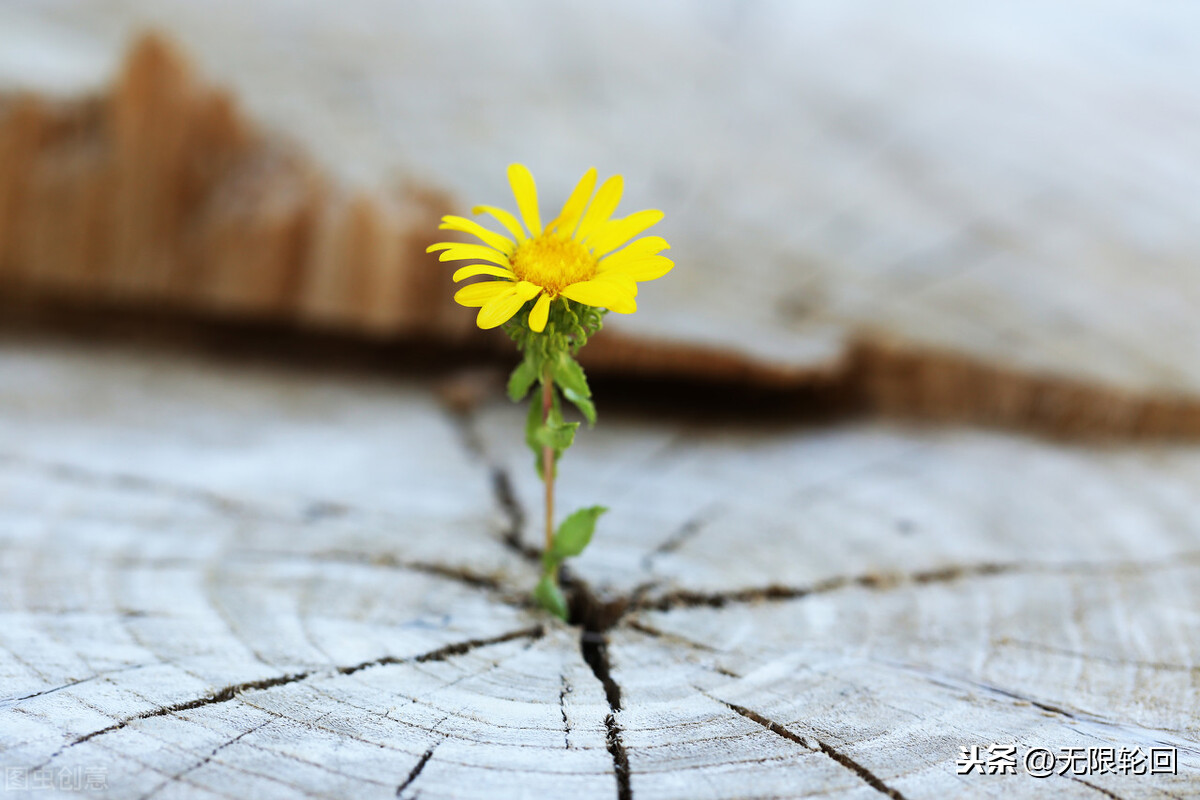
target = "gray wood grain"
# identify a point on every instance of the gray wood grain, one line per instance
(225, 580)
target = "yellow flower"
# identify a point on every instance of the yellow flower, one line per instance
(584, 255)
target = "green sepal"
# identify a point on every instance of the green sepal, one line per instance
(550, 597)
(522, 379)
(575, 532)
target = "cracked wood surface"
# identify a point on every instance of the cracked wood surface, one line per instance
(230, 580)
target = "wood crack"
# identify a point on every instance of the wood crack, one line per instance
(595, 617)
(228, 693)
(179, 775)
(846, 761)
(868, 777)
(458, 574)
(416, 771)
(10, 701)
(885, 581)
(562, 708)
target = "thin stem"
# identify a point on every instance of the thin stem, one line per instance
(548, 459)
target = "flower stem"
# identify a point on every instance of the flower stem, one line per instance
(548, 459)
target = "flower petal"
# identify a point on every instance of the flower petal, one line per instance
(620, 279)
(568, 220)
(602, 207)
(499, 309)
(638, 249)
(474, 270)
(525, 191)
(478, 252)
(477, 294)
(602, 293)
(489, 237)
(527, 290)
(505, 218)
(616, 232)
(643, 269)
(539, 314)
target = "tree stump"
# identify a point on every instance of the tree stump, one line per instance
(226, 577)
(230, 581)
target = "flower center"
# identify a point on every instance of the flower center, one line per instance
(553, 262)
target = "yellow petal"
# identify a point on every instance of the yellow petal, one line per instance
(602, 293)
(617, 232)
(643, 269)
(476, 252)
(539, 314)
(473, 270)
(505, 218)
(441, 246)
(527, 290)
(477, 294)
(638, 249)
(499, 309)
(489, 237)
(567, 221)
(602, 207)
(625, 282)
(525, 191)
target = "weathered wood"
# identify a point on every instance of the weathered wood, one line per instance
(972, 238)
(235, 582)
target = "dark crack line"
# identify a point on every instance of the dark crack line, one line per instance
(868, 777)
(230, 692)
(650, 630)
(502, 487)
(680, 537)
(179, 775)
(594, 646)
(449, 651)
(769, 724)
(416, 771)
(10, 701)
(885, 581)
(467, 577)
(506, 498)
(1077, 718)
(562, 707)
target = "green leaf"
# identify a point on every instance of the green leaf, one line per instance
(586, 406)
(576, 532)
(550, 597)
(557, 436)
(569, 375)
(522, 379)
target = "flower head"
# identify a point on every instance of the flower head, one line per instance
(584, 254)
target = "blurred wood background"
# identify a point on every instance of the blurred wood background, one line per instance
(282, 576)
